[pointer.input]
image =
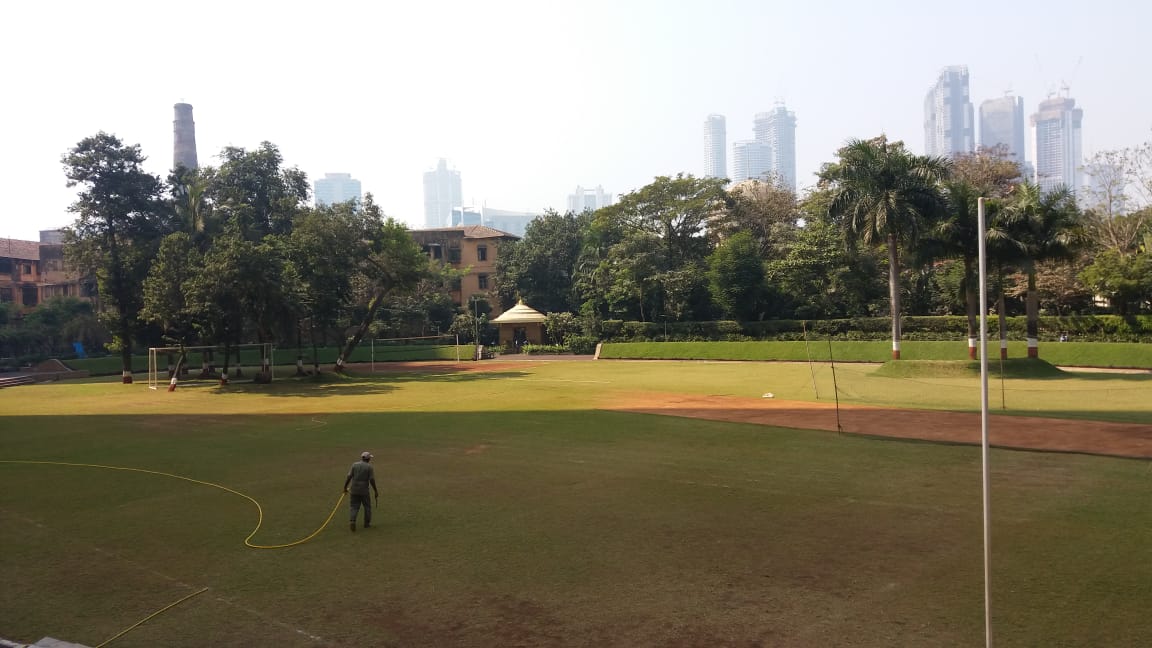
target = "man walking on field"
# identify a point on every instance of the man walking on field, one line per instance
(360, 476)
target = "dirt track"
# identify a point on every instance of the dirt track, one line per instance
(1023, 432)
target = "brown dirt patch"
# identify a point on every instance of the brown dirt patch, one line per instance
(1022, 432)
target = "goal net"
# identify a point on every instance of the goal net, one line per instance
(253, 362)
(428, 347)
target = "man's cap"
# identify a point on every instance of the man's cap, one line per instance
(365, 455)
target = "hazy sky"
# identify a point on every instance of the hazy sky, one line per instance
(529, 99)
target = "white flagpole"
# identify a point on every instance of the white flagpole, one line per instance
(984, 424)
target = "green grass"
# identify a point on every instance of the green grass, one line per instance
(517, 513)
(1082, 354)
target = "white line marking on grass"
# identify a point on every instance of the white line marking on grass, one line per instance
(316, 423)
(143, 568)
(262, 617)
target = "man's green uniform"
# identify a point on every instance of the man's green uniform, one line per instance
(360, 477)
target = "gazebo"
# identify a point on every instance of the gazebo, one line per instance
(520, 325)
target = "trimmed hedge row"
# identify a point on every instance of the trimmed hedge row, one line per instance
(1083, 328)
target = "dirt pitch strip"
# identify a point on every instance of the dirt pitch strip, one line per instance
(1017, 432)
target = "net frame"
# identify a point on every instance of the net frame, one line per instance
(446, 336)
(154, 353)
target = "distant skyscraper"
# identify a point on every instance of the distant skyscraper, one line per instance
(750, 160)
(1002, 122)
(184, 138)
(335, 188)
(715, 142)
(588, 199)
(948, 128)
(442, 192)
(1056, 143)
(777, 131)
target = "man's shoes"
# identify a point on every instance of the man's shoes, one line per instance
(352, 525)
(367, 526)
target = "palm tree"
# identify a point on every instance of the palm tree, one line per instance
(956, 236)
(886, 196)
(1046, 226)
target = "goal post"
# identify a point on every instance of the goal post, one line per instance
(423, 347)
(257, 358)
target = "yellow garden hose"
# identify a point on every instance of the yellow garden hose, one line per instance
(247, 541)
(259, 510)
(148, 618)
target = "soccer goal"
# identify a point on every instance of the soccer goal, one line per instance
(426, 347)
(253, 361)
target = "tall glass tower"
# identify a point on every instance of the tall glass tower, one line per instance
(442, 192)
(1057, 143)
(715, 141)
(948, 128)
(1002, 124)
(777, 131)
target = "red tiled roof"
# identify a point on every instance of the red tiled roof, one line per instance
(472, 231)
(17, 249)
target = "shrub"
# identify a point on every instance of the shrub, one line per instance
(582, 344)
(538, 349)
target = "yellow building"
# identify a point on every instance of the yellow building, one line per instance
(468, 246)
(32, 272)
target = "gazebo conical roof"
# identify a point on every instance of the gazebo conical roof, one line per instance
(521, 313)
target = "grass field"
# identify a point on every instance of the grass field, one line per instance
(516, 512)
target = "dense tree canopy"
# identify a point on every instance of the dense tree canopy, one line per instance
(231, 254)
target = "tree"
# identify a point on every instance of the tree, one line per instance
(252, 191)
(541, 267)
(394, 265)
(675, 210)
(766, 210)
(1058, 286)
(166, 290)
(120, 219)
(824, 274)
(650, 247)
(736, 277)
(886, 196)
(1125, 280)
(321, 288)
(956, 236)
(1047, 226)
(989, 172)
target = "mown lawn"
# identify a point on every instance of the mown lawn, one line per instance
(1081, 354)
(517, 513)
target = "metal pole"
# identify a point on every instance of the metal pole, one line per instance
(807, 352)
(984, 425)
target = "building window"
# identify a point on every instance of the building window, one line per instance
(30, 295)
(483, 281)
(482, 253)
(453, 255)
(27, 268)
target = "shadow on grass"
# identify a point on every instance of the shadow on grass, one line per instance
(1025, 368)
(333, 384)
